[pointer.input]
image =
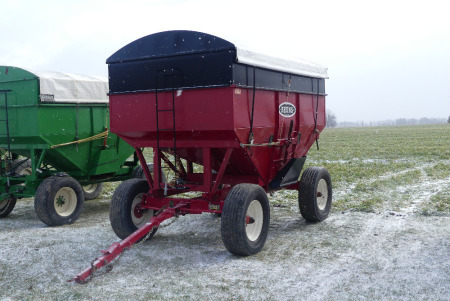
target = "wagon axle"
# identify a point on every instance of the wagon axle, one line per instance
(249, 220)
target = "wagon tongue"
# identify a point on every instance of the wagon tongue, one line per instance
(118, 247)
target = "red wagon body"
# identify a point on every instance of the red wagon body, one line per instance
(246, 118)
(219, 118)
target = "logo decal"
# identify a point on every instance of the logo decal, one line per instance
(287, 109)
(47, 97)
(214, 207)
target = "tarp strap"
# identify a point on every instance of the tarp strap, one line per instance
(95, 137)
(317, 110)
(76, 126)
(251, 135)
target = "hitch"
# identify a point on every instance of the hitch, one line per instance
(118, 247)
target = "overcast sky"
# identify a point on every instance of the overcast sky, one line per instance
(386, 59)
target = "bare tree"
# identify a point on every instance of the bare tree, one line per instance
(331, 119)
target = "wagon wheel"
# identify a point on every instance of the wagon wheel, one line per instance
(138, 172)
(315, 194)
(92, 191)
(6, 206)
(59, 200)
(125, 215)
(245, 219)
(22, 167)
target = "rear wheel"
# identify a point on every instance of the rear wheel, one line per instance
(92, 191)
(6, 206)
(59, 200)
(315, 194)
(22, 168)
(125, 215)
(245, 219)
(138, 172)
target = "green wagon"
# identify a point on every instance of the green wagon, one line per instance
(54, 143)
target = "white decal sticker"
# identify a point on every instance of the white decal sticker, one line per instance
(287, 109)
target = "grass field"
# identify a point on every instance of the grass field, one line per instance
(387, 167)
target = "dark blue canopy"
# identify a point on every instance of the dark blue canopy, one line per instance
(170, 43)
(182, 59)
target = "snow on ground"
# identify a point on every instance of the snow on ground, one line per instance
(350, 256)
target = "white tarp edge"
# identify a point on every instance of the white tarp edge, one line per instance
(72, 88)
(290, 66)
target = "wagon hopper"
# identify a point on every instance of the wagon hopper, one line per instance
(247, 119)
(54, 136)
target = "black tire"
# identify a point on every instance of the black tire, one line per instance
(122, 214)
(22, 167)
(315, 194)
(6, 206)
(59, 200)
(138, 172)
(92, 191)
(239, 236)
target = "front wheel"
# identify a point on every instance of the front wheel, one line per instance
(245, 219)
(315, 194)
(125, 214)
(59, 200)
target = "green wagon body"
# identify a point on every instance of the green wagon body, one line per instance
(41, 111)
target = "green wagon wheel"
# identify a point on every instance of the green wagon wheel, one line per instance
(92, 191)
(90, 187)
(59, 200)
(65, 201)
(138, 172)
(6, 206)
(22, 168)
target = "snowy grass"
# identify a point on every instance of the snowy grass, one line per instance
(388, 167)
(387, 237)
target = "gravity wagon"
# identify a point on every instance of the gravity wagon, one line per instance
(232, 125)
(55, 144)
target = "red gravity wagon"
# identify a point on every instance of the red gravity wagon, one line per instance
(248, 120)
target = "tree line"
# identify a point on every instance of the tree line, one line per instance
(332, 121)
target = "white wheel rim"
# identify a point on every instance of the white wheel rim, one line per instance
(322, 194)
(3, 204)
(26, 172)
(65, 201)
(90, 188)
(253, 229)
(146, 215)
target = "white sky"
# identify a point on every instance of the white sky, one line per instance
(386, 59)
